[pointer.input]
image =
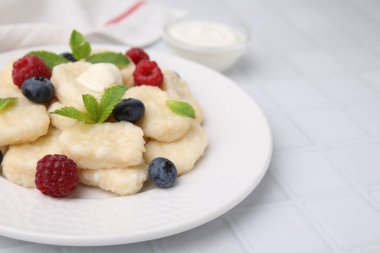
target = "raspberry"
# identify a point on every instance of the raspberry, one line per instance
(148, 73)
(27, 67)
(137, 54)
(56, 176)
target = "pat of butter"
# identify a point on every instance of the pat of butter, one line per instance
(100, 76)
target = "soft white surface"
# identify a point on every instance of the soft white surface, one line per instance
(336, 207)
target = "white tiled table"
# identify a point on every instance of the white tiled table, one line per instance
(314, 68)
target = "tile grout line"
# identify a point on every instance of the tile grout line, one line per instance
(331, 145)
(321, 48)
(344, 110)
(246, 244)
(230, 227)
(364, 80)
(321, 232)
(361, 190)
(300, 207)
(364, 12)
(369, 48)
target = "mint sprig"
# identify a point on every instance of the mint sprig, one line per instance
(91, 106)
(81, 49)
(111, 97)
(118, 59)
(4, 102)
(181, 108)
(50, 59)
(95, 112)
(74, 113)
(79, 46)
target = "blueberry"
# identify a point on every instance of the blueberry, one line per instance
(1, 157)
(38, 89)
(130, 110)
(162, 172)
(69, 56)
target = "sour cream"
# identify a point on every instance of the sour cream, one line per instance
(217, 45)
(205, 34)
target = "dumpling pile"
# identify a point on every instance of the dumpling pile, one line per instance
(111, 155)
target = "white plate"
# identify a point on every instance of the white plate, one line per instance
(237, 158)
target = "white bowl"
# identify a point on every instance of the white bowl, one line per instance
(219, 58)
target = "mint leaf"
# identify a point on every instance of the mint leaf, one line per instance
(109, 57)
(79, 46)
(91, 106)
(181, 108)
(96, 113)
(4, 102)
(111, 97)
(51, 59)
(74, 113)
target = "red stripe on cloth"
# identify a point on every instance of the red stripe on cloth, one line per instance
(126, 13)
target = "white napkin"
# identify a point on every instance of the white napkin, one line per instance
(25, 23)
